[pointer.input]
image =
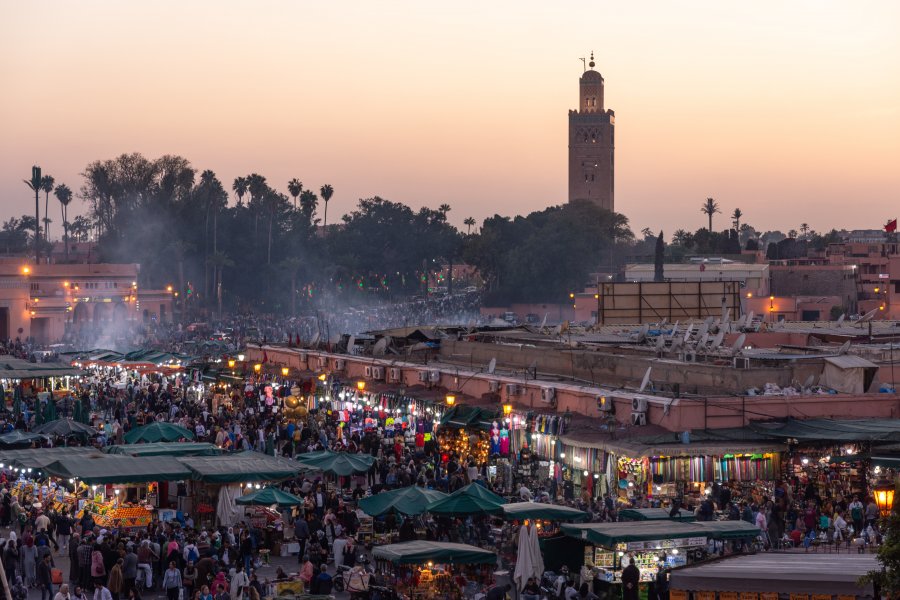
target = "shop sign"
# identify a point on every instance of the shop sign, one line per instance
(768, 596)
(705, 596)
(677, 595)
(663, 544)
(749, 596)
(799, 596)
(728, 596)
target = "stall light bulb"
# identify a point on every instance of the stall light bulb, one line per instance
(29, 469)
(596, 476)
(675, 551)
(586, 473)
(630, 484)
(621, 553)
(562, 454)
(805, 461)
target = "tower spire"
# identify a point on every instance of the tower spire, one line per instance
(591, 64)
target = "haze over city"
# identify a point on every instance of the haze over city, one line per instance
(790, 111)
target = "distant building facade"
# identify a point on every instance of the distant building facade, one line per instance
(44, 301)
(592, 144)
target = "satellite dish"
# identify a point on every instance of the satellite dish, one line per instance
(677, 343)
(351, 344)
(492, 366)
(809, 381)
(689, 331)
(703, 339)
(642, 332)
(708, 321)
(315, 340)
(557, 330)
(868, 316)
(544, 320)
(738, 343)
(725, 315)
(660, 342)
(675, 330)
(717, 341)
(380, 347)
(645, 380)
(704, 329)
(840, 320)
(750, 318)
(844, 348)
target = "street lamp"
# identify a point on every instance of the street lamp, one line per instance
(361, 386)
(451, 399)
(507, 409)
(231, 363)
(257, 367)
(884, 498)
(285, 371)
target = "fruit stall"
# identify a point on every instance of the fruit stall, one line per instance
(109, 515)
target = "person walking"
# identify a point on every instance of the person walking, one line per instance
(116, 581)
(631, 580)
(172, 581)
(45, 578)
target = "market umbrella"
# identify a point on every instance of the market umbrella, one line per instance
(158, 431)
(268, 497)
(50, 413)
(17, 437)
(338, 463)
(538, 510)
(410, 500)
(65, 428)
(17, 405)
(78, 411)
(471, 499)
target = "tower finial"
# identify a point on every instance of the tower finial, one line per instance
(591, 64)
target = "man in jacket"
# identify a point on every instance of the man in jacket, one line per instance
(45, 578)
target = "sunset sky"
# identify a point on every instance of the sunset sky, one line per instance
(787, 110)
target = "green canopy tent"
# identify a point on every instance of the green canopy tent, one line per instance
(109, 468)
(50, 413)
(608, 535)
(20, 438)
(547, 512)
(471, 499)
(729, 530)
(411, 500)
(38, 458)
(420, 552)
(653, 514)
(268, 497)
(240, 467)
(165, 449)
(338, 463)
(158, 431)
(65, 428)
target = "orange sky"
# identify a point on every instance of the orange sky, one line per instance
(788, 110)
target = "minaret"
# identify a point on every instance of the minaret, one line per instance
(591, 143)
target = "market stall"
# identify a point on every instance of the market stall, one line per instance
(473, 499)
(650, 544)
(654, 514)
(409, 502)
(430, 570)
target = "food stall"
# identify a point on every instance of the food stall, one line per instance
(650, 544)
(654, 514)
(111, 515)
(424, 570)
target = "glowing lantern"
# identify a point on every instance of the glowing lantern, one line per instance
(884, 498)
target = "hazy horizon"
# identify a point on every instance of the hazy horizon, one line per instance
(788, 111)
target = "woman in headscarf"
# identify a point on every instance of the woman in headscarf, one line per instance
(28, 561)
(11, 557)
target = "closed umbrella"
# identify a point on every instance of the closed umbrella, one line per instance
(529, 562)
(158, 431)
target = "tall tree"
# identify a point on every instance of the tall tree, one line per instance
(240, 188)
(736, 219)
(659, 259)
(295, 186)
(308, 204)
(326, 191)
(804, 229)
(291, 266)
(64, 195)
(469, 222)
(47, 183)
(35, 184)
(709, 208)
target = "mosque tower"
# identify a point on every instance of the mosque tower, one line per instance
(591, 143)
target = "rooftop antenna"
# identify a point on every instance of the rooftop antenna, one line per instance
(583, 63)
(492, 366)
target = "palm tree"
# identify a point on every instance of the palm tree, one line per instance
(792, 234)
(736, 219)
(680, 237)
(326, 191)
(804, 229)
(709, 208)
(444, 209)
(219, 261)
(308, 203)
(35, 184)
(256, 185)
(64, 195)
(292, 265)
(295, 186)
(240, 188)
(469, 222)
(47, 182)
(647, 233)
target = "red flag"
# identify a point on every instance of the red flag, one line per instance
(891, 226)
(265, 357)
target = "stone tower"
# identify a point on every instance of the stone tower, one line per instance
(591, 143)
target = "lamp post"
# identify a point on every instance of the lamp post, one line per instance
(884, 498)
